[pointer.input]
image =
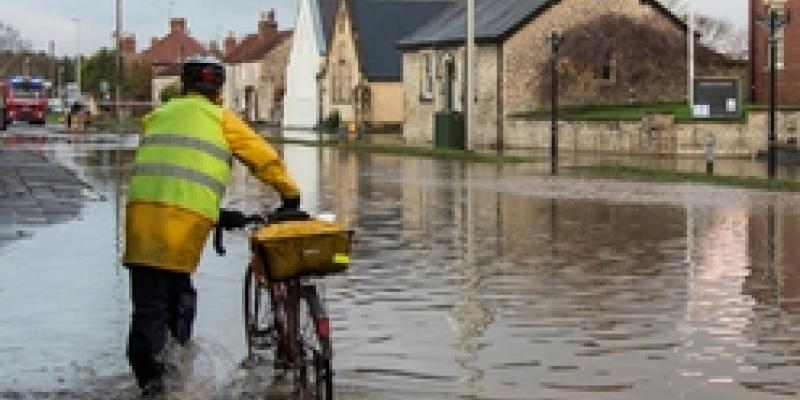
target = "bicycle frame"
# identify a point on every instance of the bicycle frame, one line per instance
(285, 301)
(294, 350)
(300, 348)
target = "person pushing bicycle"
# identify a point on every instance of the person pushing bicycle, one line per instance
(182, 168)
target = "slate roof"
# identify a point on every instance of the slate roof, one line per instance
(254, 47)
(379, 24)
(172, 49)
(327, 15)
(495, 20)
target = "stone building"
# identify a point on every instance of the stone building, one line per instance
(362, 79)
(248, 89)
(511, 45)
(273, 78)
(788, 51)
(165, 56)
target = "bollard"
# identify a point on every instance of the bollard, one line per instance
(711, 143)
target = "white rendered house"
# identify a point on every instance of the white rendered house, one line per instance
(312, 28)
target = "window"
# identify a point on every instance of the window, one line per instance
(346, 86)
(779, 47)
(426, 88)
(342, 85)
(780, 7)
(606, 72)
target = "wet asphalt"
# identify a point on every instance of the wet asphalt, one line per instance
(468, 281)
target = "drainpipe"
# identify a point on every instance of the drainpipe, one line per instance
(469, 69)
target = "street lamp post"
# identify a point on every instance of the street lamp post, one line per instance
(555, 40)
(78, 56)
(118, 91)
(774, 22)
(773, 59)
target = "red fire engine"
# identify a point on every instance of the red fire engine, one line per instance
(25, 99)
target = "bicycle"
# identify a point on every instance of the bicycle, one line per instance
(285, 314)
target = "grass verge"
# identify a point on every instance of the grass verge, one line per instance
(412, 151)
(635, 112)
(652, 174)
(108, 122)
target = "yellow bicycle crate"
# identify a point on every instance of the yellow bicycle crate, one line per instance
(303, 248)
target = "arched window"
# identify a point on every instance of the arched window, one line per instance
(342, 85)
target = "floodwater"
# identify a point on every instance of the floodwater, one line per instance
(468, 281)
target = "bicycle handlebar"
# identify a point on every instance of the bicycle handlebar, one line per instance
(243, 220)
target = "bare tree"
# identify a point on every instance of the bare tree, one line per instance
(722, 36)
(11, 40)
(678, 7)
(617, 59)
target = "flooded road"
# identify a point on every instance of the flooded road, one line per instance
(469, 281)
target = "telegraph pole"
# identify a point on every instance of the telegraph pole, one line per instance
(118, 91)
(469, 97)
(117, 152)
(690, 45)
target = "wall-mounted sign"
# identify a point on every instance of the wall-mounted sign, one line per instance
(719, 98)
(701, 111)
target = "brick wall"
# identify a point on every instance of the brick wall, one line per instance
(788, 78)
(656, 135)
(386, 103)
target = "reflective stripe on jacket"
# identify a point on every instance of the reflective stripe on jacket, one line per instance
(183, 159)
(182, 168)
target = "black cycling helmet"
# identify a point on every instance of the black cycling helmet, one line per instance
(203, 74)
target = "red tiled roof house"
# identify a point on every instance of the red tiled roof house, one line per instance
(166, 54)
(255, 69)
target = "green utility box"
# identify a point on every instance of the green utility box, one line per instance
(448, 130)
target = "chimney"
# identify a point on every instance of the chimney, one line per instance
(153, 41)
(128, 47)
(230, 42)
(177, 25)
(268, 26)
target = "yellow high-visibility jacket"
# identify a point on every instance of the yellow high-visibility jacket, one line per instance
(182, 167)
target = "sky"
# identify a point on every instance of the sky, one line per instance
(41, 21)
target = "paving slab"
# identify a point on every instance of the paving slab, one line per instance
(35, 191)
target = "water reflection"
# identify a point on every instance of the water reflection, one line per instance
(560, 296)
(473, 281)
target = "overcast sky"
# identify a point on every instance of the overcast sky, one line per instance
(43, 20)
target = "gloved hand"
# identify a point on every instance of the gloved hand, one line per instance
(231, 219)
(292, 203)
(289, 211)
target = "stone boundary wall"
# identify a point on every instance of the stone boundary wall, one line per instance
(656, 134)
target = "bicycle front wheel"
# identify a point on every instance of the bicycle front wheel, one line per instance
(316, 343)
(258, 314)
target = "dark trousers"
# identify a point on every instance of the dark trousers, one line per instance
(162, 301)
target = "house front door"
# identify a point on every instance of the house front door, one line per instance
(449, 78)
(250, 103)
